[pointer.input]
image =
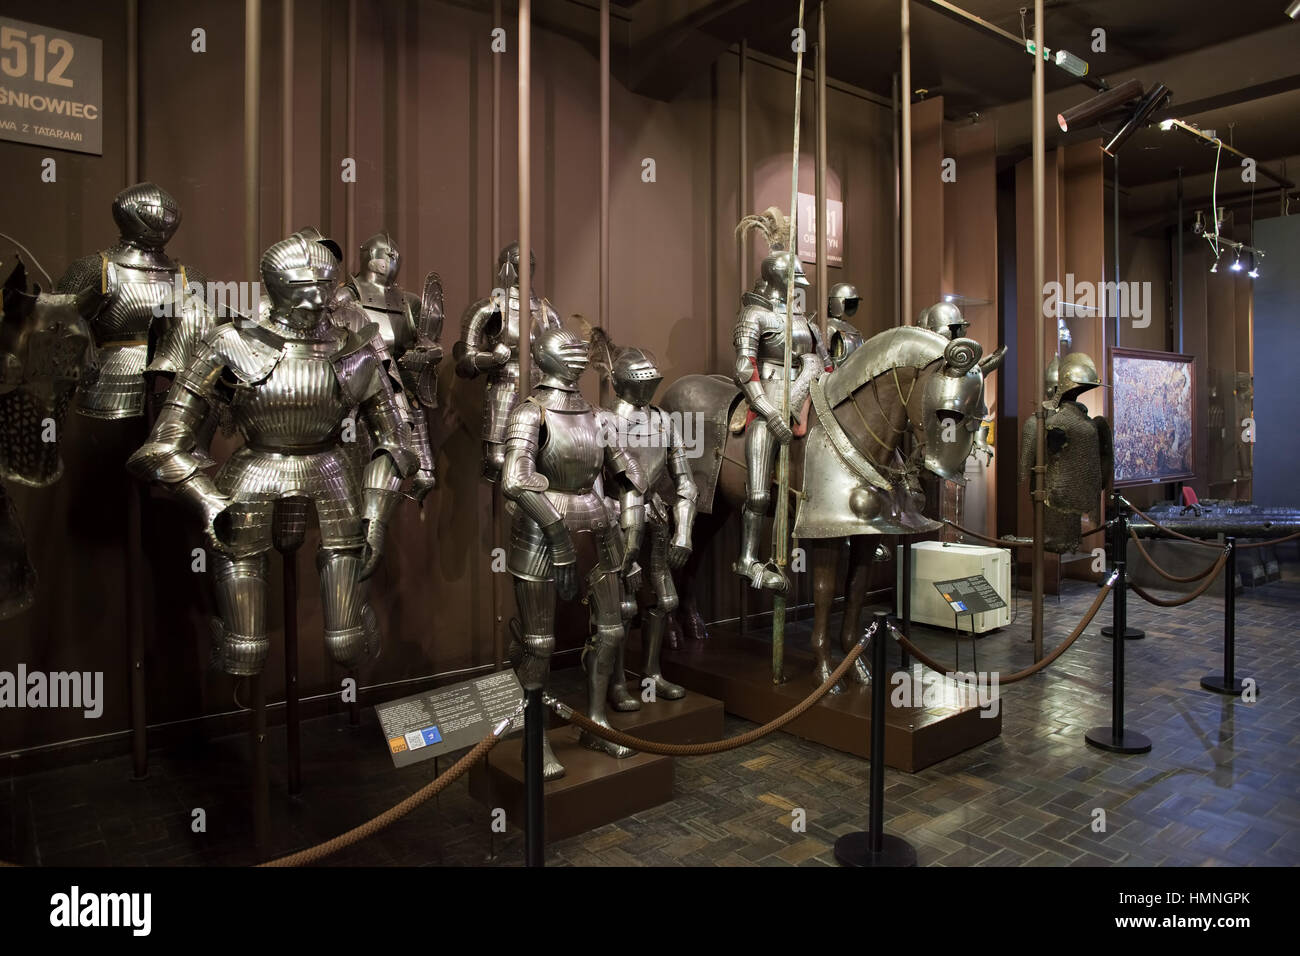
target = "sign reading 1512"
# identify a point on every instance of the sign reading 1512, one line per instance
(51, 87)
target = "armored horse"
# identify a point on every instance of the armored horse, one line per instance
(851, 475)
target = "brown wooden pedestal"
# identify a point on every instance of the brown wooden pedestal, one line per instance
(739, 671)
(596, 788)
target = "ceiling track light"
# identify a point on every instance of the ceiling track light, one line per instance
(1149, 103)
(1100, 105)
(1293, 9)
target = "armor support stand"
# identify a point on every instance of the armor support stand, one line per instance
(1040, 372)
(534, 792)
(289, 569)
(135, 624)
(261, 775)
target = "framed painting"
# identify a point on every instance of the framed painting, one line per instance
(1153, 416)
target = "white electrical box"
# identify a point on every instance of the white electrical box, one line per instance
(940, 561)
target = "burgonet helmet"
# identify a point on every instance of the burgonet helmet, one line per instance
(843, 300)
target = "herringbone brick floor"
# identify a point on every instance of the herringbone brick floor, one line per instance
(1220, 787)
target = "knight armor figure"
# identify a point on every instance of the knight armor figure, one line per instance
(647, 434)
(290, 376)
(555, 460)
(490, 337)
(759, 340)
(1080, 458)
(45, 346)
(409, 327)
(152, 312)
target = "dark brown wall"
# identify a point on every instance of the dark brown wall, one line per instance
(423, 158)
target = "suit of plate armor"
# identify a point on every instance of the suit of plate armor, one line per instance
(1080, 458)
(45, 346)
(759, 339)
(648, 435)
(290, 376)
(554, 459)
(489, 345)
(409, 328)
(152, 313)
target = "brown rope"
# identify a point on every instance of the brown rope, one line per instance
(1266, 543)
(393, 814)
(1205, 586)
(1061, 648)
(713, 746)
(1159, 527)
(1177, 579)
(1003, 542)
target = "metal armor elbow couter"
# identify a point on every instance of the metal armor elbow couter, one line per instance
(290, 377)
(554, 457)
(152, 312)
(408, 331)
(490, 340)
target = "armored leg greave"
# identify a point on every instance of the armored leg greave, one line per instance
(494, 459)
(605, 594)
(656, 618)
(759, 451)
(532, 654)
(241, 592)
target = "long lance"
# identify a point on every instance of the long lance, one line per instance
(781, 523)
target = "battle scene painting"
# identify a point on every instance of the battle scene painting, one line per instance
(1153, 416)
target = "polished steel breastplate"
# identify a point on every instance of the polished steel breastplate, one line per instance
(299, 408)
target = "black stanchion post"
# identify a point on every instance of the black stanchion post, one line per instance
(874, 847)
(1227, 682)
(534, 792)
(1115, 737)
(1120, 540)
(293, 736)
(261, 768)
(905, 612)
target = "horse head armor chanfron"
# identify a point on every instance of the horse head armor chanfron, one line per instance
(903, 377)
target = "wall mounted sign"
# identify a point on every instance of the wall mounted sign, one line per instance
(51, 87)
(807, 228)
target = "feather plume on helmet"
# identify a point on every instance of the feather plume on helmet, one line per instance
(772, 223)
(603, 349)
(632, 372)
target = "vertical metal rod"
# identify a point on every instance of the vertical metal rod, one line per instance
(899, 317)
(823, 267)
(292, 720)
(1230, 614)
(286, 120)
(135, 625)
(132, 92)
(1115, 228)
(905, 106)
(260, 797)
(525, 43)
(605, 316)
(1040, 370)
(781, 523)
(1178, 259)
(350, 204)
(742, 190)
(1119, 624)
(496, 142)
(534, 788)
(252, 132)
(905, 625)
(876, 824)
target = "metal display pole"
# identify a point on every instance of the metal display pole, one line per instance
(261, 769)
(1228, 682)
(525, 42)
(534, 787)
(1115, 737)
(1040, 371)
(874, 847)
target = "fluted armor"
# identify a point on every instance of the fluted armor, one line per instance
(651, 438)
(152, 310)
(489, 346)
(45, 348)
(759, 340)
(1079, 457)
(408, 327)
(290, 377)
(554, 459)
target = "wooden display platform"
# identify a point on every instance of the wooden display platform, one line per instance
(598, 789)
(739, 671)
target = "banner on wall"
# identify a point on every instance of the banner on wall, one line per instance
(807, 227)
(51, 87)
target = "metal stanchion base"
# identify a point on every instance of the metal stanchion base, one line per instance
(1216, 683)
(854, 849)
(1130, 633)
(1130, 743)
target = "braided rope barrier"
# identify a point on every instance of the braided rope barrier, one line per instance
(1176, 602)
(713, 746)
(1032, 669)
(1165, 574)
(1010, 542)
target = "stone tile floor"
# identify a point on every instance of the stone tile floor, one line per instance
(1221, 786)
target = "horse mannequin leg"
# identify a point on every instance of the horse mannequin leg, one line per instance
(861, 549)
(825, 563)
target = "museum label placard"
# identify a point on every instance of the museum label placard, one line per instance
(51, 87)
(449, 718)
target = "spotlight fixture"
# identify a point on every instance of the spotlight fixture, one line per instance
(1167, 124)
(1099, 105)
(1254, 266)
(1149, 103)
(1075, 66)
(1293, 9)
(1236, 265)
(1215, 267)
